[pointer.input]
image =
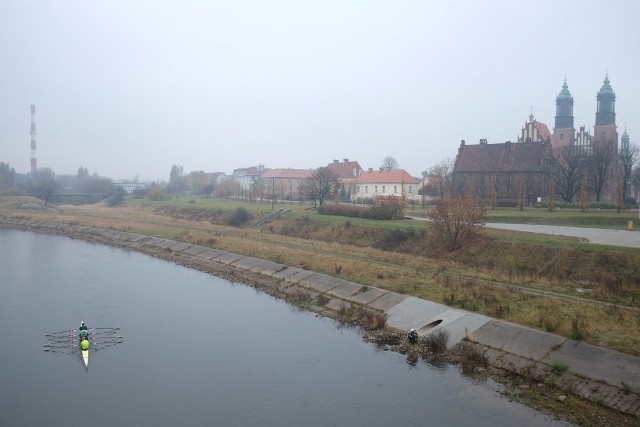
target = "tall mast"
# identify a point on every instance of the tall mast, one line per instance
(34, 161)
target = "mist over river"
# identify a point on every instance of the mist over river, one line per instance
(201, 351)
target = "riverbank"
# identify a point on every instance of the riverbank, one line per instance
(534, 382)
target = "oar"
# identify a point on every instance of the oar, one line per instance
(107, 346)
(60, 332)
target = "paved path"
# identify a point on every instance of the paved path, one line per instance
(629, 239)
(601, 236)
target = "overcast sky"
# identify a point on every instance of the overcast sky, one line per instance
(129, 88)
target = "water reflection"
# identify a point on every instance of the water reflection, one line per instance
(203, 351)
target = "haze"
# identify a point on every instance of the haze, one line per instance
(129, 88)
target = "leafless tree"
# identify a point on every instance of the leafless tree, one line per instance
(601, 163)
(44, 180)
(628, 158)
(441, 171)
(456, 221)
(570, 167)
(389, 163)
(319, 186)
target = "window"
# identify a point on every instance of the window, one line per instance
(395, 188)
(410, 189)
(366, 188)
(384, 187)
(375, 189)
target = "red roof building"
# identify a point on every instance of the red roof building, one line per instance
(384, 183)
(283, 184)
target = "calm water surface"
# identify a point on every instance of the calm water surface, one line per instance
(203, 351)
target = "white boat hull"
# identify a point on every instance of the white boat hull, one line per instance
(85, 358)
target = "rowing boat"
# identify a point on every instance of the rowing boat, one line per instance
(75, 341)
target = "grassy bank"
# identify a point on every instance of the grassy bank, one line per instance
(552, 283)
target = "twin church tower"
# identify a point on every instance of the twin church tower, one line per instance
(604, 131)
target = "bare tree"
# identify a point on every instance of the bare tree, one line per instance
(522, 192)
(601, 162)
(441, 171)
(389, 163)
(635, 176)
(628, 158)
(44, 180)
(570, 167)
(456, 221)
(584, 191)
(319, 185)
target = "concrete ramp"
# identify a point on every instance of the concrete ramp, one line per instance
(517, 339)
(618, 369)
(427, 316)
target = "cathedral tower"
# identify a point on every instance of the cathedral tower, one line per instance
(605, 128)
(563, 131)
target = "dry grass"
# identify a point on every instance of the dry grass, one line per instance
(510, 291)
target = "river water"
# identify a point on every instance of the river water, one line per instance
(202, 351)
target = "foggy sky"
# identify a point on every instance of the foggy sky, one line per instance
(129, 88)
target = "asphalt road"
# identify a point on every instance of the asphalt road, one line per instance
(630, 239)
(625, 238)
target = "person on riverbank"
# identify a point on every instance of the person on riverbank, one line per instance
(413, 336)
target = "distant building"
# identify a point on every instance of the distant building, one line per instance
(499, 172)
(247, 177)
(347, 172)
(385, 182)
(283, 184)
(132, 187)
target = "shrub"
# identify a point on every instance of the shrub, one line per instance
(322, 300)
(437, 342)
(558, 367)
(238, 217)
(379, 321)
(550, 319)
(578, 327)
(157, 194)
(301, 296)
(457, 221)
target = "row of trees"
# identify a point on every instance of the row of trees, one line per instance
(44, 183)
(596, 168)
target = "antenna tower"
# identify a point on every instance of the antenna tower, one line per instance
(34, 161)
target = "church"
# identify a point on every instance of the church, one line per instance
(505, 173)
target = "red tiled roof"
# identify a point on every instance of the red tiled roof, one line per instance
(345, 169)
(393, 176)
(287, 173)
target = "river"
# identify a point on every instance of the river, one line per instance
(199, 350)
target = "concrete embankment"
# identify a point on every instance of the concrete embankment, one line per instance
(594, 373)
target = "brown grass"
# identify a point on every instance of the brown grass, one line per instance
(508, 284)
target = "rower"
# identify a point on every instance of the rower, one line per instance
(413, 336)
(83, 331)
